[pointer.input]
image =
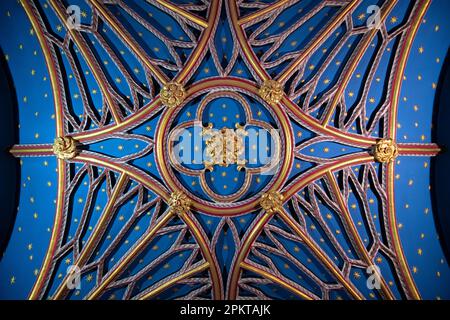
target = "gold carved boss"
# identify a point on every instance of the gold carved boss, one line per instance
(385, 150)
(65, 147)
(172, 94)
(271, 91)
(224, 147)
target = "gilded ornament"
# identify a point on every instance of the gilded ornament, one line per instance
(65, 147)
(385, 150)
(179, 202)
(271, 201)
(271, 91)
(172, 94)
(224, 147)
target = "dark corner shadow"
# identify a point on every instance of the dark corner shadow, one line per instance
(10, 166)
(440, 165)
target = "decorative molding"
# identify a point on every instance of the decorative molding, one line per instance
(271, 91)
(172, 94)
(385, 150)
(179, 202)
(65, 148)
(272, 201)
(224, 147)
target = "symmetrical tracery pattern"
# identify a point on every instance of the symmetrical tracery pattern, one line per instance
(135, 228)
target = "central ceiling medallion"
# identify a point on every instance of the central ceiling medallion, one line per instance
(214, 147)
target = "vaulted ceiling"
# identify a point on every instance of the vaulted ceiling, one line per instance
(91, 189)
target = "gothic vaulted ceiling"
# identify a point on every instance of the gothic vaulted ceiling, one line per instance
(98, 206)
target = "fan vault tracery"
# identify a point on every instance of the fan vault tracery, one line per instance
(122, 82)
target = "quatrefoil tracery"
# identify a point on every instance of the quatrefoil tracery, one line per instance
(226, 147)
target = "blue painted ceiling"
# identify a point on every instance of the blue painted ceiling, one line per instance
(276, 41)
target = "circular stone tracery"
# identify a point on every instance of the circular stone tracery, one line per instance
(227, 181)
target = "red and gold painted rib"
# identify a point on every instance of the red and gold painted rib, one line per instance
(415, 149)
(55, 239)
(143, 243)
(258, 14)
(133, 120)
(200, 48)
(337, 20)
(92, 63)
(319, 172)
(95, 237)
(242, 39)
(405, 273)
(96, 160)
(157, 189)
(129, 257)
(130, 42)
(185, 14)
(32, 150)
(332, 132)
(354, 234)
(254, 233)
(47, 51)
(155, 104)
(305, 295)
(47, 265)
(288, 193)
(207, 254)
(173, 281)
(310, 122)
(355, 60)
(401, 65)
(323, 258)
